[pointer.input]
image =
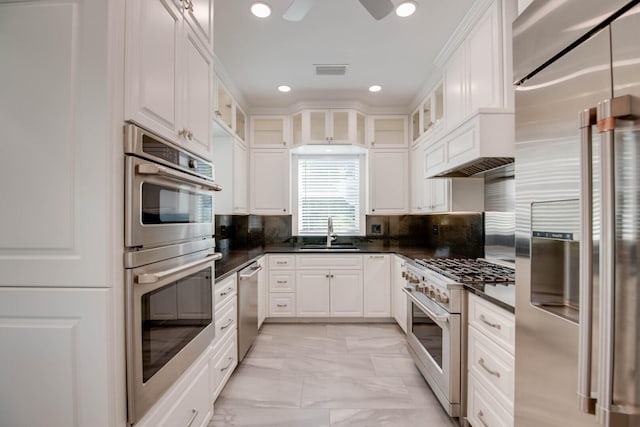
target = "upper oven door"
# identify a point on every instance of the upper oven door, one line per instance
(164, 205)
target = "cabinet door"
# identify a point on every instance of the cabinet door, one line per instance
(398, 296)
(439, 194)
(377, 286)
(269, 182)
(417, 179)
(389, 131)
(241, 123)
(485, 59)
(389, 191)
(198, 78)
(342, 127)
(315, 127)
(56, 358)
(346, 293)
(269, 132)
(200, 18)
(154, 66)
(312, 293)
(240, 173)
(455, 88)
(223, 106)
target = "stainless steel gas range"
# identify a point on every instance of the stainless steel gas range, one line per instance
(436, 315)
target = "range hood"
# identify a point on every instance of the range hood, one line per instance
(474, 167)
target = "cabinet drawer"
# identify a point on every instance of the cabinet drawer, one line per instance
(226, 320)
(497, 323)
(333, 262)
(483, 410)
(281, 262)
(224, 290)
(489, 362)
(282, 281)
(282, 305)
(193, 407)
(223, 363)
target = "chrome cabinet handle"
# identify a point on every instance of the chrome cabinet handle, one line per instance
(255, 271)
(490, 371)
(376, 256)
(281, 262)
(194, 415)
(226, 291)
(327, 276)
(281, 305)
(282, 282)
(144, 279)
(493, 325)
(481, 418)
(190, 135)
(217, 113)
(228, 365)
(151, 169)
(229, 323)
(189, 6)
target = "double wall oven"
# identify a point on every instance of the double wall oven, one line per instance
(169, 264)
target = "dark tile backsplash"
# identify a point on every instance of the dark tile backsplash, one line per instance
(447, 234)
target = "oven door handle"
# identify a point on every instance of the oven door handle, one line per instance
(147, 278)
(151, 169)
(438, 318)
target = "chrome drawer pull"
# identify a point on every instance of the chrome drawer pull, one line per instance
(222, 328)
(491, 372)
(228, 365)
(281, 305)
(281, 262)
(226, 292)
(281, 282)
(194, 415)
(481, 418)
(493, 325)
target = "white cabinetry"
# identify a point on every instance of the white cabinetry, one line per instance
(169, 75)
(312, 293)
(398, 297)
(388, 131)
(263, 291)
(223, 106)
(377, 290)
(429, 115)
(388, 181)
(491, 364)
(231, 172)
(199, 14)
(269, 181)
(282, 285)
(346, 293)
(270, 132)
(329, 127)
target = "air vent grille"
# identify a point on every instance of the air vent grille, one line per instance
(330, 70)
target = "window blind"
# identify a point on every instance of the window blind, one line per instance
(328, 186)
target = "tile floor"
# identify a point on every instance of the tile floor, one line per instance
(320, 375)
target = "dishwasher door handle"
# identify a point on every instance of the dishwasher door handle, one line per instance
(255, 270)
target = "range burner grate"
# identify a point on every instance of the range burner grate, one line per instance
(470, 270)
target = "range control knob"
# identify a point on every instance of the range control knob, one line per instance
(432, 291)
(438, 296)
(444, 298)
(193, 163)
(404, 274)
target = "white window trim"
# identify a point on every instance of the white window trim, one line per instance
(294, 190)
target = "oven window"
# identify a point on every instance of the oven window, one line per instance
(172, 316)
(168, 205)
(428, 333)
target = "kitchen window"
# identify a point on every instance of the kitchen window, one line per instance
(328, 186)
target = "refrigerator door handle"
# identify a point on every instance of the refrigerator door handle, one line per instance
(585, 402)
(609, 112)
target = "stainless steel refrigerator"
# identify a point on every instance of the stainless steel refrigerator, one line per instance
(577, 71)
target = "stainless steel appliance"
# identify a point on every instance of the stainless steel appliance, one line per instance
(577, 70)
(168, 192)
(436, 315)
(247, 308)
(169, 317)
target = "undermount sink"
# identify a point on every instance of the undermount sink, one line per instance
(343, 247)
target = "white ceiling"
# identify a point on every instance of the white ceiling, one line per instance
(397, 53)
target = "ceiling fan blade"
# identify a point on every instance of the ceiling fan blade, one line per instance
(298, 10)
(378, 8)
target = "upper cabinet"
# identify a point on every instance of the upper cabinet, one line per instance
(329, 127)
(428, 117)
(270, 131)
(388, 182)
(269, 182)
(223, 107)
(388, 131)
(199, 14)
(169, 75)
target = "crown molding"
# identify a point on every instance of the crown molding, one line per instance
(328, 104)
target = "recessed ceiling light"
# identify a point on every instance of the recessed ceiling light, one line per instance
(284, 88)
(260, 9)
(406, 8)
(375, 88)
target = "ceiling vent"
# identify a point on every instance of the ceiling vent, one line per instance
(330, 70)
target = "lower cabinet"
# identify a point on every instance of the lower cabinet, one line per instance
(193, 407)
(491, 364)
(223, 363)
(324, 293)
(282, 305)
(377, 292)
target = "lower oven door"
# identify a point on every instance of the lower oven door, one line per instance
(169, 324)
(433, 335)
(164, 205)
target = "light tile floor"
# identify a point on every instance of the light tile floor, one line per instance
(320, 375)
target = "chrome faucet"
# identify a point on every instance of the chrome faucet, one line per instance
(330, 236)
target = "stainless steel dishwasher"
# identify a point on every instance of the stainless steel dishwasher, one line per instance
(247, 308)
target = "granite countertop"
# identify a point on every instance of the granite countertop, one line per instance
(234, 260)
